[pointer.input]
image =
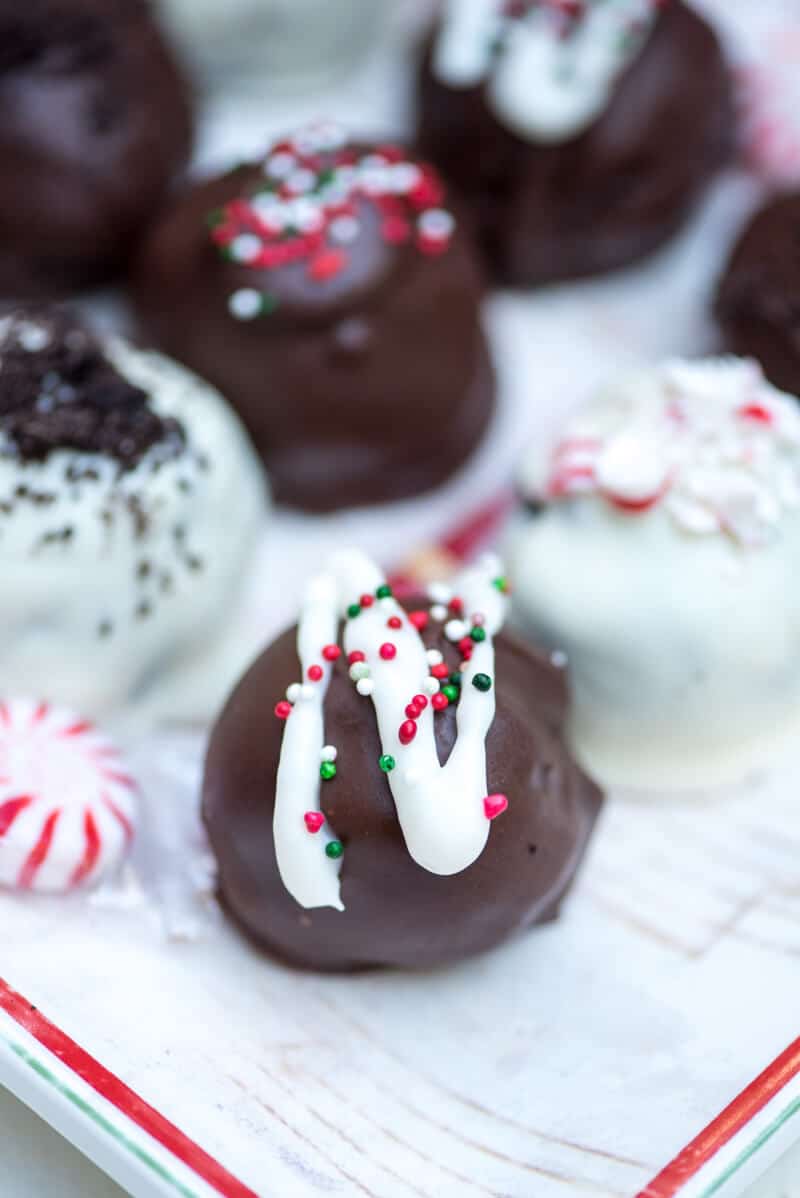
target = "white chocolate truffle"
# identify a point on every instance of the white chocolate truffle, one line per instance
(662, 557)
(67, 802)
(130, 501)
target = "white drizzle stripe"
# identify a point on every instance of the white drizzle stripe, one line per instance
(440, 808)
(310, 876)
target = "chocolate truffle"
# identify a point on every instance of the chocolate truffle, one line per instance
(581, 133)
(758, 302)
(96, 121)
(130, 502)
(332, 296)
(410, 802)
(660, 555)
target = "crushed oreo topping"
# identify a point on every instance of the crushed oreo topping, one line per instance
(59, 391)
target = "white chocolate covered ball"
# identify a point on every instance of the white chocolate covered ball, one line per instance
(661, 553)
(121, 566)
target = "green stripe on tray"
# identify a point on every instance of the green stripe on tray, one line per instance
(86, 1108)
(755, 1146)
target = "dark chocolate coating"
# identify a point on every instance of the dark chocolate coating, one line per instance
(397, 913)
(96, 121)
(373, 385)
(613, 193)
(758, 301)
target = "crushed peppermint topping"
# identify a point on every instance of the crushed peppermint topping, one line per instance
(305, 209)
(711, 442)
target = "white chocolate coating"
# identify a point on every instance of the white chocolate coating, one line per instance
(441, 808)
(664, 565)
(543, 84)
(119, 582)
(67, 804)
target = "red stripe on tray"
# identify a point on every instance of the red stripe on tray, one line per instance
(719, 1133)
(119, 1095)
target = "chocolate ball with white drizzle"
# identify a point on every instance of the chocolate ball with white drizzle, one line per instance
(409, 801)
(130, 504)
(661, 557)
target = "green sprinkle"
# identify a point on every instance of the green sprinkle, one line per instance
(325, 176)
(384, 592)
(501, 584)
(387, 763)
(327, 770)
(334, 849)
(269, 303)
(354, 610)
(452, 692)
(482, 682)
(478, 634)
(456, 679)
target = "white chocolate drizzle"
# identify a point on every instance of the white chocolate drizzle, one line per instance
(443, 809)
(550, 71)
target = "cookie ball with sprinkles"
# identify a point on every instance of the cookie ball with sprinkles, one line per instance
(331, 292)
(756, 301)
(453, 818)
(130, 502)
(581, 132)
(659, 553)
(96, 124)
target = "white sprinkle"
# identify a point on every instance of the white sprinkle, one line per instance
(455, 630)
(439, 611)
(294, 692)
(329, 753)
(301, 180)
(559, 659)
(373, 162)
(431, 686)
(436, 223)
(307, 691)
(245, 247)
(440, 592)
(365, 686)
(32, 337)
(434, 657)
(245, 304)
(359, 670)
(404, 177)
(344, 229)
(279, 165)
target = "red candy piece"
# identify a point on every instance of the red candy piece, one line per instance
(440, 701)
(367, 600)
(315, 673)
(394, 622)
(355, 656)
(314, 820)
(419, 619)
(413, 712)
(283, 709)
(456, 605)
(420, 701)
(407, 732)
(494, 805)
(465, 645)
(388, 651)
(331, 653)
(440, 671)
(757, 412)
(327, 264)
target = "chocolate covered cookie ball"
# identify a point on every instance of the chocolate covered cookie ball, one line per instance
(331, 293)
(388, 784)
(581, 133)
(757, 302)
(96, 122)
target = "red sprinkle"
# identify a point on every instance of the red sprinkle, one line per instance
(465, 644)
(419, 619)
(456, 605)
(440, 701)
(407, 732)
(440, 671)
(757, 412)
(420, 701)
(494, 805)
(355, 656)
(367, 600)
(283, 709)
(394, 622)
(314, 820)
(315, 673)
(413, 711)
(388, 651)
(327, 264)
(331, 653)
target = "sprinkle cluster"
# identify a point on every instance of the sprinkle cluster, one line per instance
(711, 442)
(308, 209)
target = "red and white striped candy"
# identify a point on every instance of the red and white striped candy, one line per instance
(67, 805)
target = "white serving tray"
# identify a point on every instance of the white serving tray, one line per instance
(577, 1060)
